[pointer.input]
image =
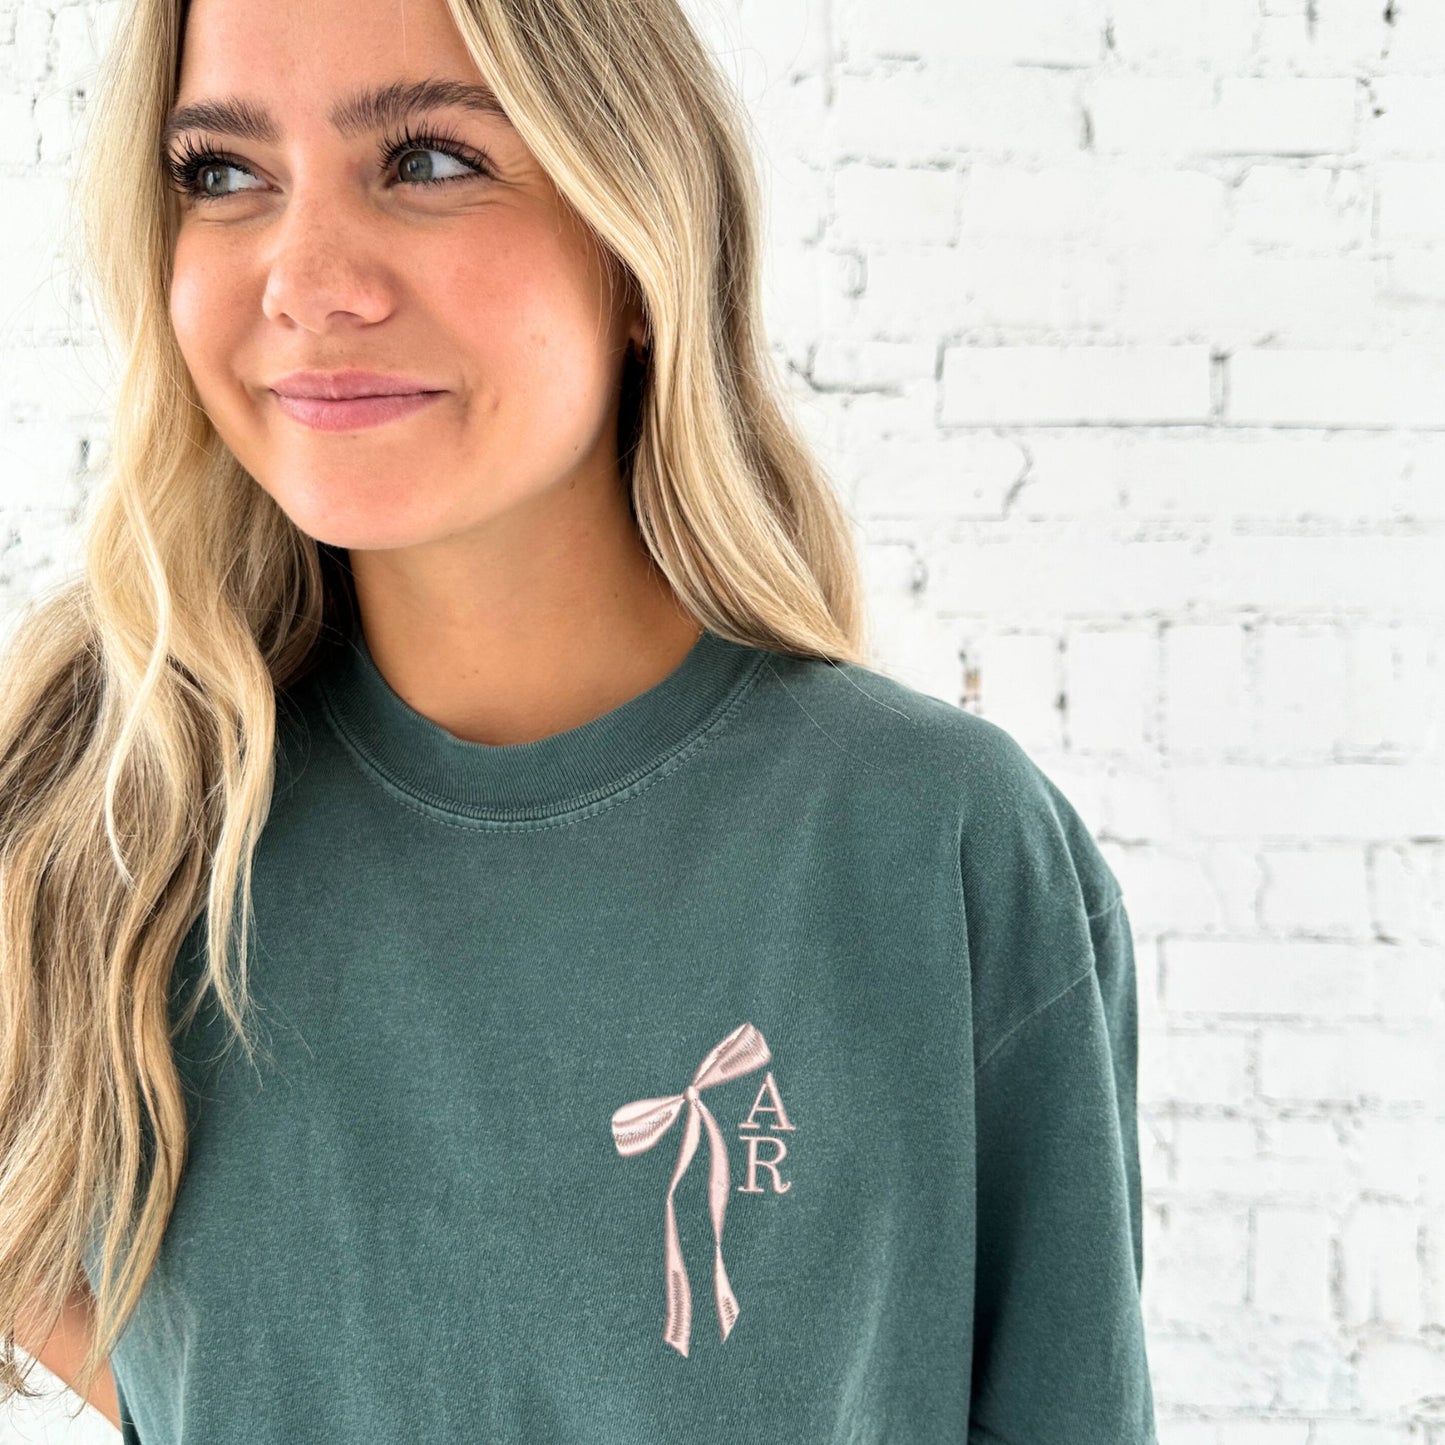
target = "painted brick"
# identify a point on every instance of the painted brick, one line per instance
(1292, 1264)
(1204, 1067)
(1112, 686)
(1380, 1278)
(1362, 1066)
(915, 114)
(1328, 387)
(1207, 706)
(875, 205)
(992, 385)
(1203, 1256)
(1039, 32)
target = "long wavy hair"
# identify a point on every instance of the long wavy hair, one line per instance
(138, 703)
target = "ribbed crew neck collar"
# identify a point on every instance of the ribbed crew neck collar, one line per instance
(556, 774)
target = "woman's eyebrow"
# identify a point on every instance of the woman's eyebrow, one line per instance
(361, 111)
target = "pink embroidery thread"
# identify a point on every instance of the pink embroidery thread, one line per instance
(636, 1127)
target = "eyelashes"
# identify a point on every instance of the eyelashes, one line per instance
(183, 166)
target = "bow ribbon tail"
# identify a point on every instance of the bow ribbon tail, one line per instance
(718, 1187)
(678, 1326)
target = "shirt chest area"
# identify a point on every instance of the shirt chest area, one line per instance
(713, 1174)
(515, 1147)
(647, 1231)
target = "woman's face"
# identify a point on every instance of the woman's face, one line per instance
(427, 244)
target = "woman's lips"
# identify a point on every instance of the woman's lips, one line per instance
(355, 412)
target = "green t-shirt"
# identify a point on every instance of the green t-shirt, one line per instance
(753, 1063)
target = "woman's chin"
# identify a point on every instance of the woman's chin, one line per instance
(374, 528)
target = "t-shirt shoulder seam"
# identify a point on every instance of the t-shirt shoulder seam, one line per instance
(1029, 1017)
(1110, 907)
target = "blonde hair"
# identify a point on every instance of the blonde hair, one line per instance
(138, 703)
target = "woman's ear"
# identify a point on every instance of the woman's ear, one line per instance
(639, 333)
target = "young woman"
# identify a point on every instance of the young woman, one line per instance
(654, 1024)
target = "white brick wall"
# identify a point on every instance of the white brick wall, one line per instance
(1121, 325)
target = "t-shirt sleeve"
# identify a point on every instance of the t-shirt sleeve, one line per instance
(129, 1434)
(1059, 1346)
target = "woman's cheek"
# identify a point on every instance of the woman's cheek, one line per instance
(199, 315)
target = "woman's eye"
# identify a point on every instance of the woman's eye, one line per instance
(425, 174)
(203, 173)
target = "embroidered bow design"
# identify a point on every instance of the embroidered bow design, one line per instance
(638, 1126)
